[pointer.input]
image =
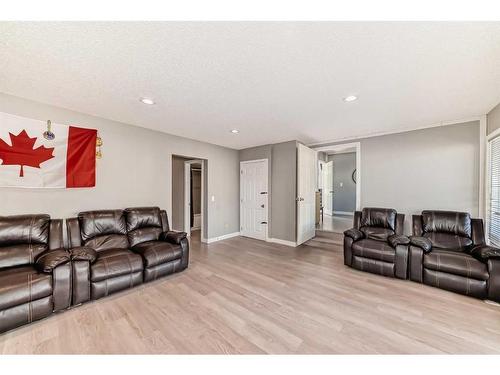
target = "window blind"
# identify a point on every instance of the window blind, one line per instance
(494, 205)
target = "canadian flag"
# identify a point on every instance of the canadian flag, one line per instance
(32, 157)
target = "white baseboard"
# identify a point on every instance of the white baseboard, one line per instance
(347, 213)
(220, 238)
(282, 242)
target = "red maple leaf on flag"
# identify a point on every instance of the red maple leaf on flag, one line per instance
(22, 153)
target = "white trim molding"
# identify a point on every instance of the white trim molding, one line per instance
(282, 242)
(221, 238)
(342, 147)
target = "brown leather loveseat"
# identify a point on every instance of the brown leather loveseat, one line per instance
(35, 270)
(376, 243)
(112, 250)
(448, 251)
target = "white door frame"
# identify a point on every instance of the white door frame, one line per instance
(187, 197)
(266, 232)
(342, 147)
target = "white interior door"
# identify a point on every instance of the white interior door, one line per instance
(253, 199)
(328, 192)
(306, 183)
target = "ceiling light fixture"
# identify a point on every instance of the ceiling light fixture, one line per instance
(147, 101)
(350, 98)
(235, 131)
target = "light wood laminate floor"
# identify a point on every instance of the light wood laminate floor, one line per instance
(247, 296)
(335, 223)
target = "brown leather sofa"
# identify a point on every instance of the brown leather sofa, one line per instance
(35, 270)
(448, 251)
(376, 243)
(112, 250)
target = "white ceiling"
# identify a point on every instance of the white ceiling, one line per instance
(273, 81)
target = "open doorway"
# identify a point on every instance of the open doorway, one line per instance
(193, 198)
(188, 196)
(338, 186)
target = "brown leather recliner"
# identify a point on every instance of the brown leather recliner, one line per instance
(35, 270)
(376, 243)
(114, 250)
(448, 251)
(163, 251)
(102, 260)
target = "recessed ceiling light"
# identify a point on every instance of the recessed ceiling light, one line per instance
(235, 131)
(350, 98)
(147, 101)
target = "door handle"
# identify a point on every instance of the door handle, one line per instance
(261, 206)
(263, 222)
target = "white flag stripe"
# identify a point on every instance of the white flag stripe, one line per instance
(52, 173)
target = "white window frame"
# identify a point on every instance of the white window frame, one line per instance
(495, 134)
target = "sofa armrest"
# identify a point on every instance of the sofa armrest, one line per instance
(173, 237)
(49, 260)
(485, 252)
(83, 253)
(494, 279)
(398, 239)
(354, 233)
(424, 243)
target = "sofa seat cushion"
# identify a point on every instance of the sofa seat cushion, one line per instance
(456, 263)
(158, 252)
(23, 284)
(113, 263)
(373, 249)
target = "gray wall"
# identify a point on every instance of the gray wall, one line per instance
(135, 170)
(282, 184)
(284, 181)
(436, 168)
(493, 119)
(344, 197)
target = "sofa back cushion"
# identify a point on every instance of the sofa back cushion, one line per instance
(448, 241)
(105, 229)
(22, 239)
(448, 229)
(457, 223)
(378, 223)
(143, 224)
(378, 217)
